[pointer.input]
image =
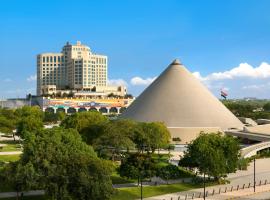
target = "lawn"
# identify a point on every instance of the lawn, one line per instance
(11, 145)
(134, 192)
(9, 158)
(117, 179)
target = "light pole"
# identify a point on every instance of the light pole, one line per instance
(254, 180)
(141, 187)
(204, 185)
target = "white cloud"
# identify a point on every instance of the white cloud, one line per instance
(197, 75)
(253, 87)
(244, 70)
(140, 81)
(32, 78)
(117, 82)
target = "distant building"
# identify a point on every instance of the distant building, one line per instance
(76, 70)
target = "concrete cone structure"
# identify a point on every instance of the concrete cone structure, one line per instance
(183, 103)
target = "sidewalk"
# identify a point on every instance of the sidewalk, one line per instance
(10, 152)
(14, 194)
(223, 192)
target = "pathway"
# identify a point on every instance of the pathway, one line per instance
(238, 178)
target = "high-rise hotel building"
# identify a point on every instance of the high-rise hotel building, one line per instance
(75, 68)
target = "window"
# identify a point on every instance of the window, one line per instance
(54, 59)
(43, 59)
(47, 58)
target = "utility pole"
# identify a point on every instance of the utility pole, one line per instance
(254, 180)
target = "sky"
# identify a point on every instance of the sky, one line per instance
(223, 43)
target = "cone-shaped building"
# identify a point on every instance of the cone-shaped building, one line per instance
(183, 103)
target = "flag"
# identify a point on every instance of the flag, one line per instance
(223, 94)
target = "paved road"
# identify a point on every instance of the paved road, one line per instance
(238, 178)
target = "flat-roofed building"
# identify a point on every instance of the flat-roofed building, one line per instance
(75, 68)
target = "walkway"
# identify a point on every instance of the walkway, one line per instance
(238, 178)
(14, 194)
(10, 153)
(253, 149)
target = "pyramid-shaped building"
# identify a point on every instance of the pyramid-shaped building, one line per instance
(183, 103)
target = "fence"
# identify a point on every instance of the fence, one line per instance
(219, 190)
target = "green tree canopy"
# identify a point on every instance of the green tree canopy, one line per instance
(30, 120)
(8, 120)
(266, 107)
(138, 165)
(151, 136)
(89, 124)
(117, 136)
(66, 167)
(54, 117)
(212, 154)
(27, 111)
(28, 125)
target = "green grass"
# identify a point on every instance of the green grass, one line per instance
(149, 191)
(9, 158)
(10, 142)
(117, 179)
(10, 147)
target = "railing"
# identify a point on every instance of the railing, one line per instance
(249, 151)
(220, 190)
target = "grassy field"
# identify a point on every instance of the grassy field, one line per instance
(134, 193)
(10, 146)
(9, 158)
(117, 179)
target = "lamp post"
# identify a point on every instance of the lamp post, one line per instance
(254, 176)
(204, 185)
(141, 187)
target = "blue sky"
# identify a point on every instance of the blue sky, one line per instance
(212, 38)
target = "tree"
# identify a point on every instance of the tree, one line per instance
(8, 120)
(151, 136)
(30, 120)
(89, 124)
(67, 167)
(28, 125)
(54, 117)
(117, 136)
(212, 154)
(138, 165)
(266, 107)
(27, 111)
(20, 177)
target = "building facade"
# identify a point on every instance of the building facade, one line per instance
(75, 68)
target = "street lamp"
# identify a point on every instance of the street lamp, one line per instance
(141, 187)
(254, 176)
(204, 185)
